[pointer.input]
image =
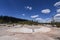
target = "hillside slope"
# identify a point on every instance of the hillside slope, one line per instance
(8, 19)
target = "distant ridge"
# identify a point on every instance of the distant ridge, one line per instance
(9, 19)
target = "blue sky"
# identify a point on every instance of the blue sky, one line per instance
(28, 9)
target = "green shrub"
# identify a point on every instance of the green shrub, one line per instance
(57, 24)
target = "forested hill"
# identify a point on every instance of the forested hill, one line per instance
(9, 19)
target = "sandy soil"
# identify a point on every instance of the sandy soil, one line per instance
(52, 35)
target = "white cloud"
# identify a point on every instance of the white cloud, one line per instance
(23, 14)
(58, 10)
(57, 18)
(57, 4)
(38, 18)
(41, 20)
(46, 11)
(34, 16)
(48, 20)
(28, 7)
(57, 15)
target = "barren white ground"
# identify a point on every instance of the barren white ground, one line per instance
(28, 30)
(26, 33)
